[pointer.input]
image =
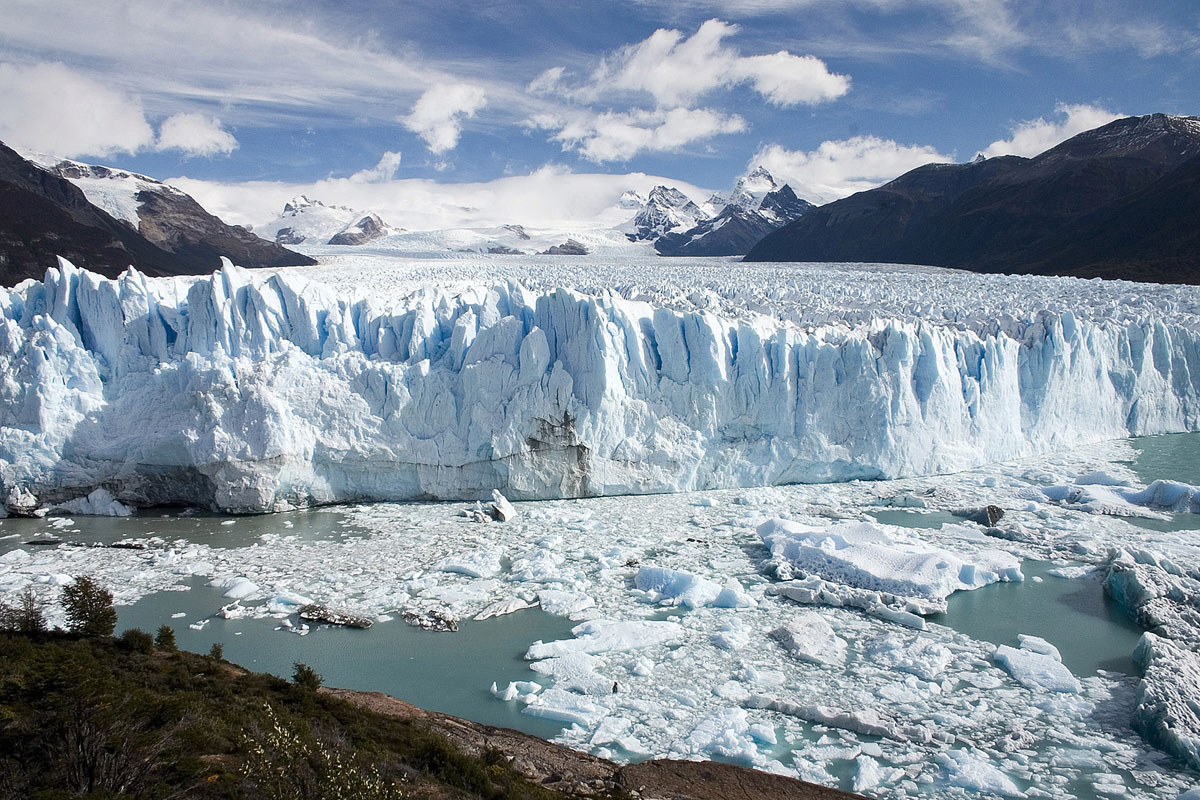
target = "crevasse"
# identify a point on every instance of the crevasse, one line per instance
(249, 392)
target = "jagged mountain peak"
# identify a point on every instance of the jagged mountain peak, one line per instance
(666, 209)
(783, 205)
(299, 202)
(751, 188)
(630, 199)
(668, 196)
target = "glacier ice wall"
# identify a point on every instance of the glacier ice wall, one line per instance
(245, 393)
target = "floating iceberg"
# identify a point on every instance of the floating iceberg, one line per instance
(881, 559)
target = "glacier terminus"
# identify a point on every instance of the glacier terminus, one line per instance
(251, 392)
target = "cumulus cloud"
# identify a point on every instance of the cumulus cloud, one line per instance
(385, 170)
(195, 135)
(677, 71)
(614, 136)
(837, 169)
(51, 108)
(1038, 135)
(438, 114)
(787, 80)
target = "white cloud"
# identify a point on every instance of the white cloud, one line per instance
(550, 197)
(385, 170)
(272, 61)
(677, 71)
(613, 136)
(195, 135)
(547, 82)
(53, 109)
(1038, 135)
(837, 169)
(438, 114)
(788, 80)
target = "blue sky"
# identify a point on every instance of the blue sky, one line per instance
(833, 95)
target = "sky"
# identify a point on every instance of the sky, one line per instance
(487, 106)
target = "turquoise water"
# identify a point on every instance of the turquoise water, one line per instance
(1090, 630)
(1175, 457)
(207, 529)
(1172, 456)
(448, 672)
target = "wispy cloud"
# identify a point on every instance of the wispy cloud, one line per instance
(254, 61)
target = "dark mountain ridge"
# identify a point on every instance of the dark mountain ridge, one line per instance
(44, 215)
(1117, 183)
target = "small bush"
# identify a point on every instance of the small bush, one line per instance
(89, 608)
(137, 640)
(165, 638)
(306, 677)
(217, 651)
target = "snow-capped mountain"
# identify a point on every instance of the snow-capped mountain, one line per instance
(367, 229)
(111, 219)
(666, 209)
(749, 215)
(311, 222)
(751, 189)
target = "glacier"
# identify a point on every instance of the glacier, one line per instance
(250, 392)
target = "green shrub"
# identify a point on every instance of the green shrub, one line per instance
(217, 651)
(137, 640)
(306, 677)
(89, 608)
(165, 638)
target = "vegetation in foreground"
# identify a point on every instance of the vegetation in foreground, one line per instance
(100, 717)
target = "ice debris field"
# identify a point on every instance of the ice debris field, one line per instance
(779, 626)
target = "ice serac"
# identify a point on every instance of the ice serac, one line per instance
(246, 392)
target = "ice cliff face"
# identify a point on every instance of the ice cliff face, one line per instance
(248, 393)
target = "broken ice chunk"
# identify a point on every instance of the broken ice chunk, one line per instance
(502, 510)
(1036, 670)
(808, 637)
(970, 771)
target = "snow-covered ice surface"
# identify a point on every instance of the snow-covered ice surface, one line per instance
(885, 708)
(383, 379)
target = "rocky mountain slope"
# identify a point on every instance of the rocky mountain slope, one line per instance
(1111, 202)
(135, 221)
